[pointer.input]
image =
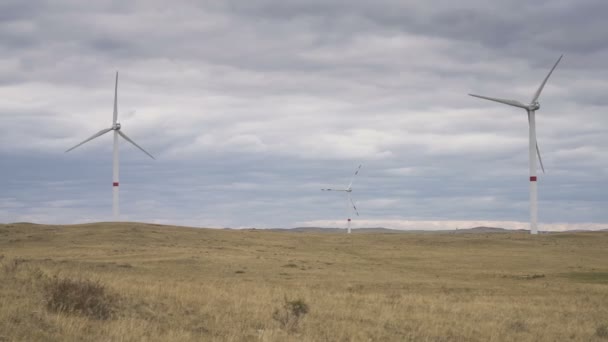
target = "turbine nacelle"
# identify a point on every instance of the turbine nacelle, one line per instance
(534, 106)
(116, 126)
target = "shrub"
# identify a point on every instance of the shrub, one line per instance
(602, 331)
(10, 265)
(291, 313)
(518, 326)
(83, 297)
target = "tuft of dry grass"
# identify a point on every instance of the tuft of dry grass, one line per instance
(182, 284)
(79, 296)
(602, 331)
(291, 314)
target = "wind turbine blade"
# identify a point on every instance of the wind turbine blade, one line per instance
(134, 144)
(353, 177)
(100, 133)
(354, 207)
(540, 89)
(503, 101)
(115, 100)
(539, 158)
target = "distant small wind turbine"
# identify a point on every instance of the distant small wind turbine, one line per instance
(117, 131)
(349, 200)
(533, 147)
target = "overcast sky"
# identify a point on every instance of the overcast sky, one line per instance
(252, 106)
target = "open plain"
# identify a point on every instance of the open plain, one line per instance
(164, 283)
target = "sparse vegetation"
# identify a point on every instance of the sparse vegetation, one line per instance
(80, 296)
(11, 265)
(186, 285)
(518, 326)
(602, 331)
(532, 276)
(290, 314)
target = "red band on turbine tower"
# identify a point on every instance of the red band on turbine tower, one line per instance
(115, 184)
(533, 179)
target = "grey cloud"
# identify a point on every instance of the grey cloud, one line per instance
(253, 106)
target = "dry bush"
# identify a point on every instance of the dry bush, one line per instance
(602, 331)
(290, 314)
(10, 266)
(518, 326)
(83, 297)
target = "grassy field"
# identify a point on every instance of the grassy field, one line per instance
(160, 283)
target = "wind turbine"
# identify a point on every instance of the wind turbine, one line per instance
(349, 200)
(117, 131)
(533, 147)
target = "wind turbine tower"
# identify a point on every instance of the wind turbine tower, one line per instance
(115, 164)
(349, 201)
(533, 151)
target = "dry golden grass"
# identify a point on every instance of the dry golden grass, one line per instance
(182, 284)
